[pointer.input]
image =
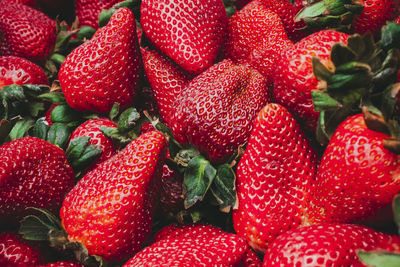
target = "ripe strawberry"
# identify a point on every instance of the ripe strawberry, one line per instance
(104, 70)
(171, 195)
(17, 70)
(33, 173)
(197, 246)
(167, 81)
(91, 128)
(88, 11)
(63, 264)
(31, 3)
(273, 178)
(357, 175)
(110, 209)
(217, 108)
(189, 32)
(47, 115)
(16, 253)
(327, 245)
(25, 32)
(294, 78)
(256, 33)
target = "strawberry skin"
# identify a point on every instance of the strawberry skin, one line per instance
(104, 70)
(33, 173)
(31, 3)
(88, 11)
(356, 177)
(16, 253)
(190, 32)
(17, 70)
(25, 32)
(63, 264)
(327, 245)
(294, 78)
(273, 178)
(217, 109)
(110, 209)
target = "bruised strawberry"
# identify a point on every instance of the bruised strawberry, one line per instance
(104, 70)
(216, 110)
(88, 11)
(16, 253)
(25, 32)
(273, 178)
(189, 32)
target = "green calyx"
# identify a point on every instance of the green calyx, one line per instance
(133, 5)
(81, 154)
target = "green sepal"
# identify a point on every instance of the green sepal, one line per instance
(198, 177)
(396, 211)
(40, 128)
(342, 54)
(21, 129)
(127, 120)
(81, 154)
(5, 128)
(57, 58)
(54, 97)
(85, 33)
(390, 37)
(379, 258)
(122, 139)
(58, 134)
(321, 134)
(185, 155)
(114, 111)
(322, 101)
(320, 71)
(133, 5)
(223, 188)
(65, 114)
(173, 146)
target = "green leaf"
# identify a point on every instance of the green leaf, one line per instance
(223, 188)
(197, 180)
(390, 36)
(85, 32)
(64, 113)
(114, 111)
(379, 258)
(396, 211)
(341, 54)
(323, 101)
(320, 71)
(80, 154)
(40, 128)
(21, 129)
(127, 120)
(53, 97)
(58, 134)
(35, 108)
(57, 58)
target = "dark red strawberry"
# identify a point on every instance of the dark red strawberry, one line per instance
(189, 32)
(273, 178)
(16, 253)
(327, 245)
(104, 70)
(217, 108)
(25, 32)
(88, 11)
(63, 264)
(47, 115)
(110, 209)
(33, 173)
(17, 70)
(31, 3)
(251, 260)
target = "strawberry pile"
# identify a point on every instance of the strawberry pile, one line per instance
(199, 133)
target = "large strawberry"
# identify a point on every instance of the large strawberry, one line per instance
(217, 108)
(273, 178)
(190, 32)
(294, 78)
(33, 173)
(104, 70)
(110, 210)
(88, 11)
(256, 34)
(15, 252)
(327, 245)
(25, 32)
(31, 3)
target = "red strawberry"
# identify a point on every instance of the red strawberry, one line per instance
(88, 11)
(357, 175)
(110, 209)
(167, 81)
(190, 32)
(273, 178)
(91, 128)
(294, 78)
(63, 264)
(17, 70)
(33, 173)
(47, 115)
(251, 260)
(327, 245)
(105, 69)
(171, 194)
(31, 3)
(397, 20)
(217, 108)
(256, 33)
(198, 246)
(16, 253)
(25, 32)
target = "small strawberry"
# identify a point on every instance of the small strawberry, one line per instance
(25, 32)
(273, 178)
(88, 11)
(216, 110)
(104, 70)
(33, 173)
(189, 32)
(16, 253)
(327, 245)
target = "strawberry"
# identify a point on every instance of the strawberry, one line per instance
(171, 199)
(217, 108)
(167, 81)
(189, 32)
(200, 245)
(16, 253)
(273, 178)
(357, 175)
(63, 264)
(327, 245)
(256, 33)
(33, 173)
(91, 128)
(31, 3)
(294, 79)
(17, 70)
(104, 70)
(88, 11)
(25, 32)
(109, 211)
